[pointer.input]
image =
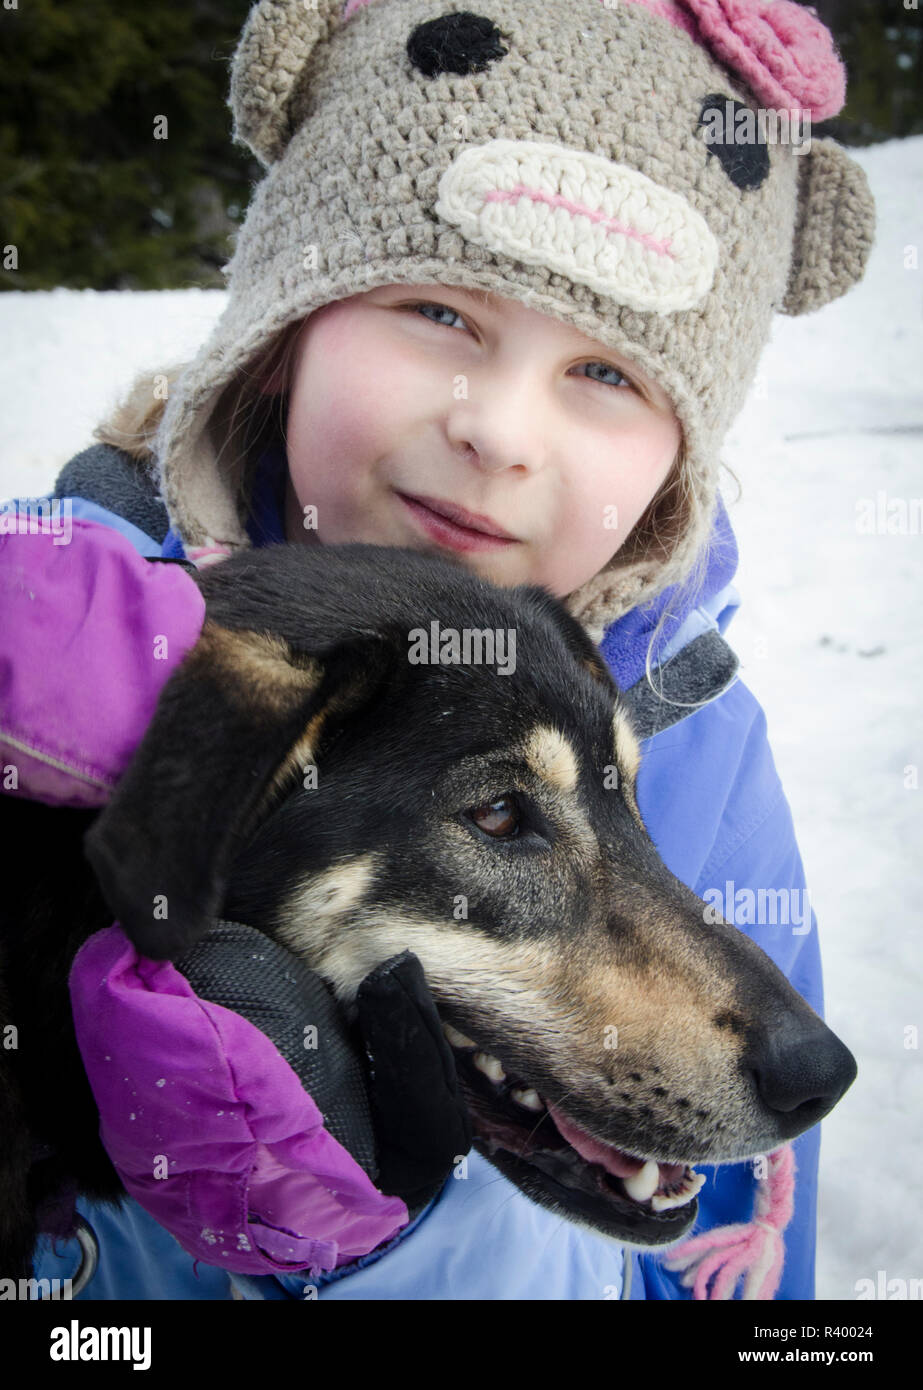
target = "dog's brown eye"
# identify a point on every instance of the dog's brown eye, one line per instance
(499, 818)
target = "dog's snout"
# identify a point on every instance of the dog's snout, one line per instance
(459, 43)
(800, 1073)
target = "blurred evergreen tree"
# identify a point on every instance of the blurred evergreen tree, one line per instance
(89, 197)
(881, 43)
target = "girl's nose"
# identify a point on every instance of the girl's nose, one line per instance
(499, 429)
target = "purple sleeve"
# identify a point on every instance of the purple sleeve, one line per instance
(91, 631)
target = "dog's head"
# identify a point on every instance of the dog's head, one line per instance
(370, 749)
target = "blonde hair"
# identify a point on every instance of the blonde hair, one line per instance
(133, 423)
(244, 421)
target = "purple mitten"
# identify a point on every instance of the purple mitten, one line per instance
(209, 1127)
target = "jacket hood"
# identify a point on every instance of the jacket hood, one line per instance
(626, 640)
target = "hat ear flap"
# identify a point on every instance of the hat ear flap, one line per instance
(834, 229)
(234, 726)
(271, 57)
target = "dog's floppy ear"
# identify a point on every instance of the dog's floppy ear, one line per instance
(235, 723)
(571, 631)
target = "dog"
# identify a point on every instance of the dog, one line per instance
(481, 814)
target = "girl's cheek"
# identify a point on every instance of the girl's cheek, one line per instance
(366, 382)
(634, 470)
(328, 411)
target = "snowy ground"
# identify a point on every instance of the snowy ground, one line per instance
(829, 635)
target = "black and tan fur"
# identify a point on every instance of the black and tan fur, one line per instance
(542, 943)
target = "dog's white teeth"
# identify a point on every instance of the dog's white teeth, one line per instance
(679, 1199)
(489, 1066)
(529, 1098)
(455, 1038)
(643, 1184)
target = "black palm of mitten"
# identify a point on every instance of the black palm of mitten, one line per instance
(421, 1120)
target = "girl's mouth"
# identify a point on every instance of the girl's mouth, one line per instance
(450, 533)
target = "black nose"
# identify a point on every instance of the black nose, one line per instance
(801, 1072)
(459, 43)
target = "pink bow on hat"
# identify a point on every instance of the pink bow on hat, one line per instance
(779, 49)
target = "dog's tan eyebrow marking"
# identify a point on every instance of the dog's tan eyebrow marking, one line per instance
(627, 759)
(551, 757)
(262, 662)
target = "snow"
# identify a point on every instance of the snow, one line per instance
(828, 635)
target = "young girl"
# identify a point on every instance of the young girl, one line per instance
(500, 295)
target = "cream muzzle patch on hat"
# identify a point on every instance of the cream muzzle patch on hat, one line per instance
(598, 223)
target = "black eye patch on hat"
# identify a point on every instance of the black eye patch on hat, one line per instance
(736, 140)
(459, 43)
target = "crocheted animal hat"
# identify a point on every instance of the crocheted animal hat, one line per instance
(587, 159)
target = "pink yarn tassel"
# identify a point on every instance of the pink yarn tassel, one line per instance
(754, 1249)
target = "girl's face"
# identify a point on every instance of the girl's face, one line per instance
(430, 391)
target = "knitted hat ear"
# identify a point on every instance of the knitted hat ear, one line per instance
(834, 228)
(275, 46)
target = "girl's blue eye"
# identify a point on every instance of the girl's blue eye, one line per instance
(444, 308)
(622, 380)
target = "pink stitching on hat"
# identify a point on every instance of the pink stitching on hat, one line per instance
(555, 200)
